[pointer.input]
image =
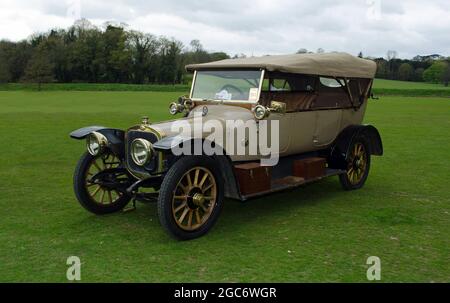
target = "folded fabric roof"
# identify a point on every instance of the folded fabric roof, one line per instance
(326, 64)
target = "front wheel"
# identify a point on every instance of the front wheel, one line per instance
(358, 165)
(97, 181)
(191, 197)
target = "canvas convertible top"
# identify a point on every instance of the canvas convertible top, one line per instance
(326, 64)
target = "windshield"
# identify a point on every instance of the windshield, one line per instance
(227, 85)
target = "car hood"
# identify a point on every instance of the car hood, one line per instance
(214, 112)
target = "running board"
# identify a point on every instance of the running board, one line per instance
(290, 182)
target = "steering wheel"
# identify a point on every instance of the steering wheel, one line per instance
(232, 87)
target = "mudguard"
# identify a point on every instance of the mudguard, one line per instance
(83, 132)
(168, 143)
(116, 137)
(340, 149)
(224, 161)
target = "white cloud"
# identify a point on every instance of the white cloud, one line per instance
(259, 27)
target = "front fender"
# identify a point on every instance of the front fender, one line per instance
(116, 137)
(224, 161)
(83, 132)
(168, 143)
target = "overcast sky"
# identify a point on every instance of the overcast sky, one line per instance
(254, 27)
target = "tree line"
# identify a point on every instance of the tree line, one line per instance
(87, 53)
(115, 54)
(432, 68)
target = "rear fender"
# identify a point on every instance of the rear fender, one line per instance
(340, 149)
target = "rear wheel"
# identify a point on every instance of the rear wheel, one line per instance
(100, 197)
(191, 197)
(358, 165)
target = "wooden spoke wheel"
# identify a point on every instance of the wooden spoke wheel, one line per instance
(194, 198)
(358, 164)
(191, 197)
(99, 193)
(96, 181)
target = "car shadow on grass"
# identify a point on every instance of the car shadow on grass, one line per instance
(236, 216)
(279, 204)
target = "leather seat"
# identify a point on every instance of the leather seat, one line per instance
(295, 101)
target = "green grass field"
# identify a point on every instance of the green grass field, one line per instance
(411, 89)
(380, 87)
(315, 233)
(393, 84)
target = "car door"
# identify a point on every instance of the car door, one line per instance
(327, 126)
(302, 131)
(278, 127)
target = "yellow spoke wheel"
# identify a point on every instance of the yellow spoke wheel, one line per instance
(358, 164)
(191, 197)
(100, 194)
(93, 195)
(194, 198)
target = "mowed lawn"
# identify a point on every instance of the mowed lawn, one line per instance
(395, 84)
(312, 234)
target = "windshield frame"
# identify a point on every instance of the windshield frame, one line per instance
(261, 80)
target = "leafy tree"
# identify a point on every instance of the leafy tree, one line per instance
(15, 57)
(5, 75)
(418, 74)
(405, 72)
(143, 48)
(114, 57)
(446, 76)
(436, 72)
(170, 64)
(39, 69)
(382, 69)
(218, 56)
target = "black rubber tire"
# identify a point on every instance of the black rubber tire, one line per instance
(84, 198)
(343, 178)
(166, 194)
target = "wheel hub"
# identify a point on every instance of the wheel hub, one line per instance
(198, 199)
(357, 163)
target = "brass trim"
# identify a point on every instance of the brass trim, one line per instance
(159, 135)
(148, 146)
(277, 107)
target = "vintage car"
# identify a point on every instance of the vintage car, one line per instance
(318, 102)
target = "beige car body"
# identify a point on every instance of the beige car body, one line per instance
(299, 131)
